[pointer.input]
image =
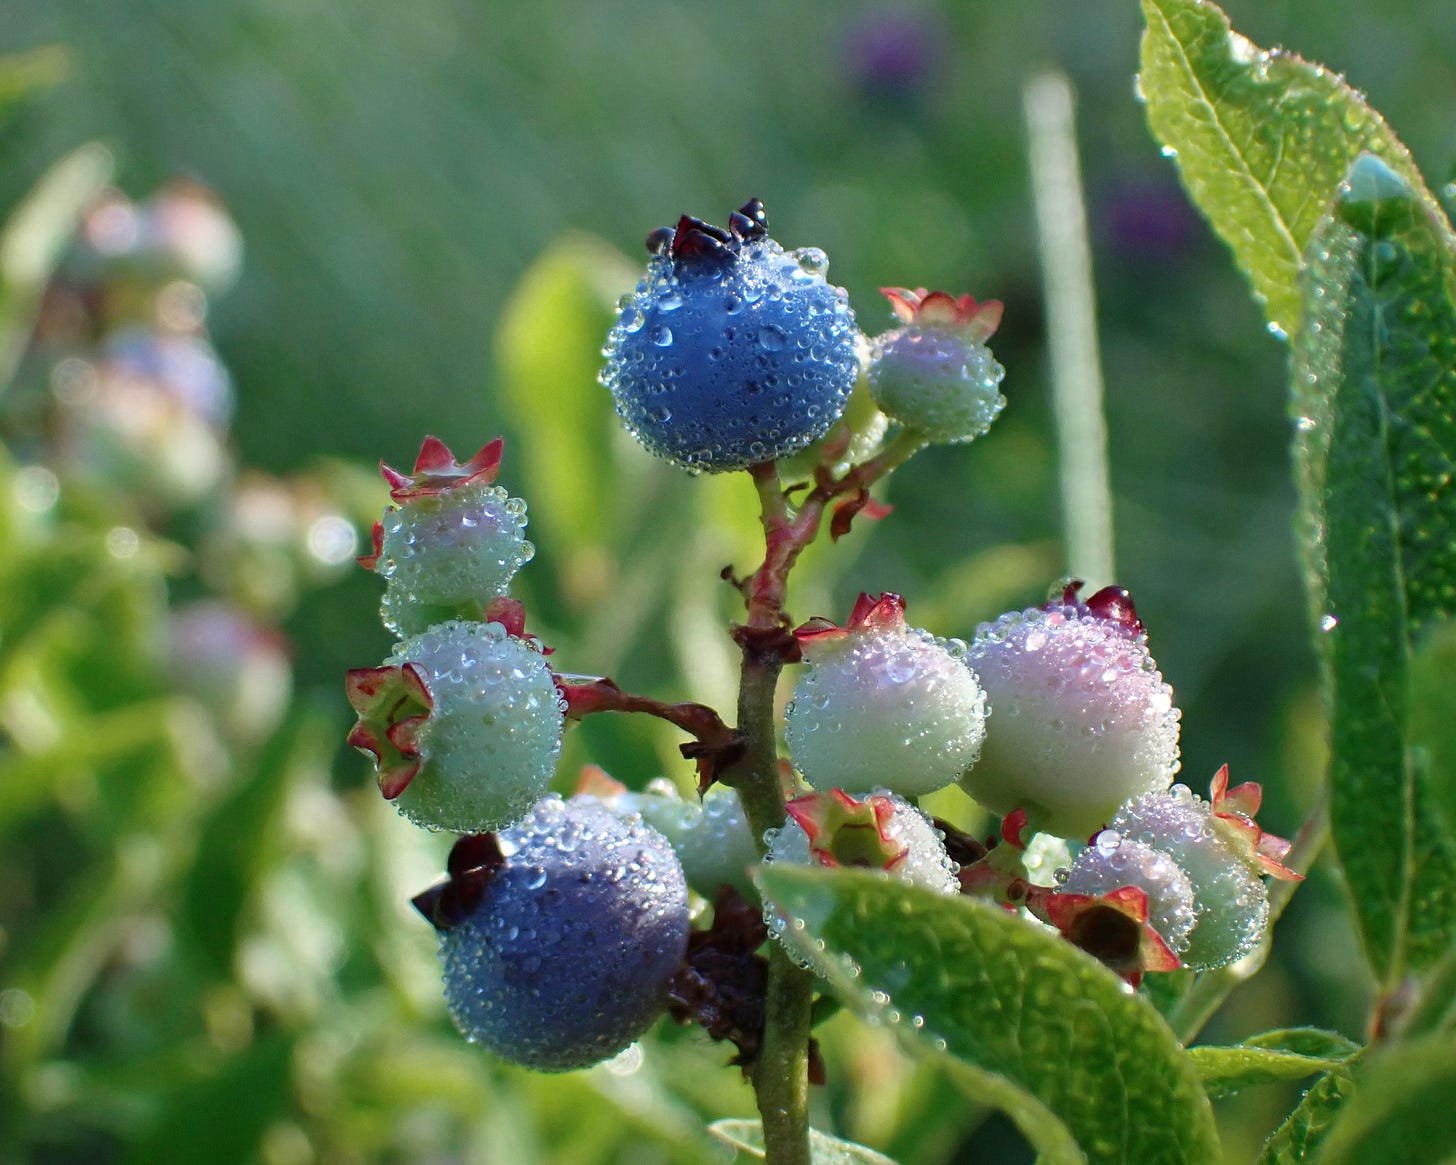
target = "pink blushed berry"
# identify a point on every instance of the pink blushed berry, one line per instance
(1081, 719)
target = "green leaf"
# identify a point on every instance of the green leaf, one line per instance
(549, 350)
(747, 1137)
(34, 238)
(1374, 388)
(1402, 1113)
(1432, 1005)
(1261, 139)
(26, 74)
(1298, 1139)
(1433, 716)
(222, 1117)
(1287, 1054)
(1086, 1069)
(238, 840)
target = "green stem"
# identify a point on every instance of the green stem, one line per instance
(1210, 989)
(781, 1073)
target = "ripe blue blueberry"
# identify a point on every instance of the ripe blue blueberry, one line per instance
(559, 936)
(731, 351)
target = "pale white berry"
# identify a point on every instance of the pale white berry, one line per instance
(883, 705)
(1081, 719)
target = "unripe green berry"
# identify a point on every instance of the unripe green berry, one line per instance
(1231, 902)
(711, 838)
(450, 553)
(490, 744)
(935, 374)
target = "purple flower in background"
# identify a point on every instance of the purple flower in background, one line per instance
(892, 54)
(1147, 219)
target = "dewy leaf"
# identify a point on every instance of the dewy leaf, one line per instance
(1298, 1139)
(1289, 1054)
(1261, 139)
(1402, 1112)
(747, 1137)
(1374, 391)
(1085, 1067)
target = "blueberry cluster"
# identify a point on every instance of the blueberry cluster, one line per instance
(560, 922)
(564, 924)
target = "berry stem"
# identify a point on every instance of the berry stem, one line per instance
(787, 530)
(781, 1073)
(715, 744)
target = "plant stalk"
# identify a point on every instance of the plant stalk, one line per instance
(781, 1073)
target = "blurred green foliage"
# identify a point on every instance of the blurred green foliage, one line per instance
(206, 952)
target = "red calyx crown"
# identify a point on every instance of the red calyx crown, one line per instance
(695, 239)
(845, 832)
(1233, 814)
(1114, 929)
(1113, 604)
(940, 309)
(885, 612)
(436, 471)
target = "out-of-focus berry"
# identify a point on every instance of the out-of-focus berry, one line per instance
(239, 668)
(711, 837)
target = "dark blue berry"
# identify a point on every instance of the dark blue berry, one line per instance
(557, 950)
(731, 351)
